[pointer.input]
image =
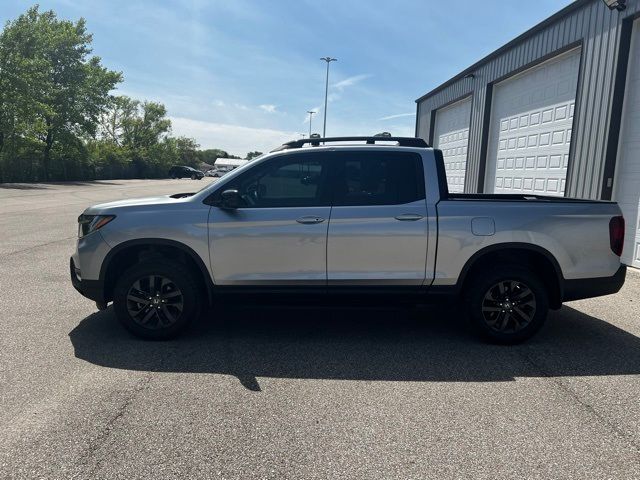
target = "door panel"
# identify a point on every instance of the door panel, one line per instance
(278, 236)
(269, 246)
(378, 228)
(367, 245)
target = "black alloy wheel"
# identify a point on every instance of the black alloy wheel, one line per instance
(157, 299)
(154, 301)
(506, 304)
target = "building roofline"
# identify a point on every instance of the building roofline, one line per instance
(575, 5)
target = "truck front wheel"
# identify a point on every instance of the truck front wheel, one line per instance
(156, 300)
(506, 304)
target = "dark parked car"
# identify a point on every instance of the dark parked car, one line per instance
(185, 172)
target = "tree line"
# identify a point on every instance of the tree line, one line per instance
(59, 119)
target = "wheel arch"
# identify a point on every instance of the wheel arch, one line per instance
(122, 254)
(538, 259)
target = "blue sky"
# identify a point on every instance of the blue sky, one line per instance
(240, 75)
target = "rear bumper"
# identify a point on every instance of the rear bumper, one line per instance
(594, 287)
(92, 289)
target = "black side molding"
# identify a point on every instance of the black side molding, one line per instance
(594, 287)
(91, 289)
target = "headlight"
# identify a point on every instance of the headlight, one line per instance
(90, 223)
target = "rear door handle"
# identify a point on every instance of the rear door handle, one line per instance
(310, 220)
(409, 217)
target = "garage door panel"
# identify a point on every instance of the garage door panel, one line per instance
(451, 135)
(531, 129)
(627, 182)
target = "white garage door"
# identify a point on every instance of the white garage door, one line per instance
(530, 130)
(451, 135)
(627, 185)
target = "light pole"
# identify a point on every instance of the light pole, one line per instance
(326, 92)
(310, 112)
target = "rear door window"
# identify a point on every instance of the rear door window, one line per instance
(377, 178)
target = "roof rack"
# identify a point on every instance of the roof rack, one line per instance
(316, 141)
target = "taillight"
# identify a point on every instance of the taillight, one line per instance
(616, 234)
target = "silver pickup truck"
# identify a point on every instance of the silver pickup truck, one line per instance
(358, 215)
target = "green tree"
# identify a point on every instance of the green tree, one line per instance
(134, 140)
(58, 119)
(147, 125)
(187, 151)
(21, 74)
(209, 155)
(252, 155)
(116, 122)
(61, 90)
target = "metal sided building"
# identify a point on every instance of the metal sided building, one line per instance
(556, 111)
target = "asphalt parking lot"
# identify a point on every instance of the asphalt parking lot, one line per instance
(306, 392)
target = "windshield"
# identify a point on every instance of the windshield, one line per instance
(211, 187)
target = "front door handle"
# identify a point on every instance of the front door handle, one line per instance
(310, 220)
(409, 217)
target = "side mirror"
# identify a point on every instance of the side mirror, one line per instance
(230, 199)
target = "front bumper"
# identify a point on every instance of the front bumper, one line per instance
(92, 289)
(594, 287)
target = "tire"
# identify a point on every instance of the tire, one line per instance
(507, 304)
(166, 315)
(193, 177)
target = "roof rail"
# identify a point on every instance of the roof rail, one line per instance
(316, 141)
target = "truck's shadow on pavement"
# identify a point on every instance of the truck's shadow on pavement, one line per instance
(360, 344)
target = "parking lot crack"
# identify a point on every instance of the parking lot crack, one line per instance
(34, 247)
(101, 440)
(612, 427)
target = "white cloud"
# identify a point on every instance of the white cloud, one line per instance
(401, 130)
(399, 115)
(336, 89)
(219, 103)
(268, 108)
(350, 81)
(232, 138)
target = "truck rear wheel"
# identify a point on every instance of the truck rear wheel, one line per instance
(156, 300)
(507, 304)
